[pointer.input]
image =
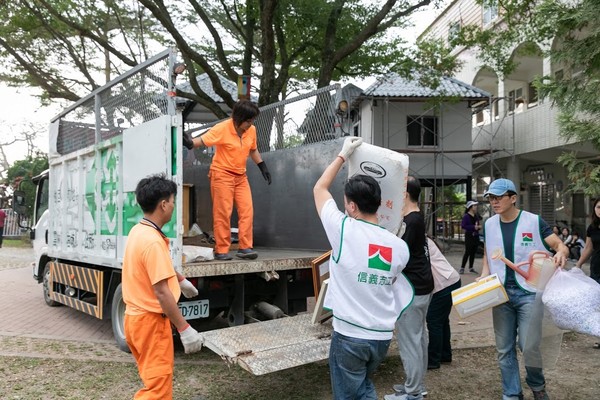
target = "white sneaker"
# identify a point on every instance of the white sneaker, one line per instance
(401, 390)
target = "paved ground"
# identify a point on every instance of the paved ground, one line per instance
(24, 313)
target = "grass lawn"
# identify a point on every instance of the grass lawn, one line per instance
(21, 243)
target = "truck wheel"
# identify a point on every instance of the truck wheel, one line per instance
(46, 287)
(117, 316)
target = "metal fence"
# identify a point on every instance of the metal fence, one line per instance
(140, 95)
(11, 224)
(308, 118)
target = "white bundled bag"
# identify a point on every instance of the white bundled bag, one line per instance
(573, 300)
(390, 170)
(197, 254)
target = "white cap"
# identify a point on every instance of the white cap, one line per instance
(471, 203)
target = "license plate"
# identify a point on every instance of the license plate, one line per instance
(194, 309)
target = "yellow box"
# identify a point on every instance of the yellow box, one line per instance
(479, 296)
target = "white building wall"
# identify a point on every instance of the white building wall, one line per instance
(386, 125)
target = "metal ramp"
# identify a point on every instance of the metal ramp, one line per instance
(271, 346)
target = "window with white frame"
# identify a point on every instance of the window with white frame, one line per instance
(490, 11)
(453, 31)
(422, 130)
(515, 97)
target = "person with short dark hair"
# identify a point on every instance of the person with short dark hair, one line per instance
(151, 288)
(517, 233)
(411, 327)
(234, 140)
(367, 291)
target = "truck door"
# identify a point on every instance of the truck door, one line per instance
(148, 149)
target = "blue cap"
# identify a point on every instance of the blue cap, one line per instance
(500, 187)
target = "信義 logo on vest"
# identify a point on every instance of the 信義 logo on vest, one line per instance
(527, 239)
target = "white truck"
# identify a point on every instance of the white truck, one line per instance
(99, 149)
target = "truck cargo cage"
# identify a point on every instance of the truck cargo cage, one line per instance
(135, 97)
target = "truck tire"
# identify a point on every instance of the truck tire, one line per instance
(46, 287)
(117, 315)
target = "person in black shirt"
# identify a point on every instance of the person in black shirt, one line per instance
(411, 327)
(592, 244)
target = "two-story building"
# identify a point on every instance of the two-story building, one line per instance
(515, 134)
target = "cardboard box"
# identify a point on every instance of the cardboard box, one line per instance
(479, 296)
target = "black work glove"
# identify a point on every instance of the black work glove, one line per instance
(264, 171)
(188, 141)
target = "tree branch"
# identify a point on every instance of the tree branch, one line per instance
(158, 9)
(88, 33)
(217, 39)
(51, 85)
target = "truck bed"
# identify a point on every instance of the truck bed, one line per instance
(269, 259)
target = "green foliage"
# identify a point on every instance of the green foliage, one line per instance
(291, 141)
(66, 47)
(20, 173)
(456, 201)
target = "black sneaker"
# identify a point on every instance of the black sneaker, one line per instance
(540, 395)
(246, 254)
(223, 257)
(188, 141)
(461, 271)
(473, 271)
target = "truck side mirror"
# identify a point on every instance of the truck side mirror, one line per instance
(18, 202)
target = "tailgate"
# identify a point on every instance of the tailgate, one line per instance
(274, 345)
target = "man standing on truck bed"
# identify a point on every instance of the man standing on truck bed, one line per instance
(235, 140)
(367, 291)
(151, 288)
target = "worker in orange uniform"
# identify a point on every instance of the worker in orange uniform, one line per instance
(235, 140)
(151, 288)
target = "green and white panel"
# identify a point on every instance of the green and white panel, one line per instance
(109, 198)
(56, 209)
(71, 207)
(89, 236)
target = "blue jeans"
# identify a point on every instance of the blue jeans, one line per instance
(351, 362)
(512, 318)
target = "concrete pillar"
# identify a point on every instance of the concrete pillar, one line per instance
(502, 103)
(513, 172)
(546, 67)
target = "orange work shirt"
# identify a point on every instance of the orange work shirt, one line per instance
(231, 150)
(146, 262)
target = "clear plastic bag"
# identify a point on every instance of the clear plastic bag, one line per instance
(573, 300)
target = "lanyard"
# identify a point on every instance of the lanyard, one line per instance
(154, 226)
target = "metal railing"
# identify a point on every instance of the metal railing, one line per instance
(137, 96)
(308, 118)
(11, 224)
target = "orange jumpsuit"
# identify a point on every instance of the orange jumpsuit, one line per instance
(229, 183)
(146, 262)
